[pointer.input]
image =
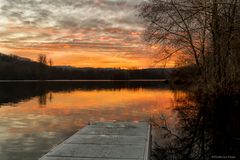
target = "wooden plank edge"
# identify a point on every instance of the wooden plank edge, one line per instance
(147, 150)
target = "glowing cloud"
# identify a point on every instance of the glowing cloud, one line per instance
(89, 33)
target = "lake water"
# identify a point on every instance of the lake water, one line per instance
(36, 116)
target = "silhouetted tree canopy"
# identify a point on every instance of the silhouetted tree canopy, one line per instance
(204, 31)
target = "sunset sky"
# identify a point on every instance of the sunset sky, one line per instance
(82, 33)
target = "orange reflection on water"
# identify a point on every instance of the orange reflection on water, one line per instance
(96, 105)
(54, 116)
(149, 101)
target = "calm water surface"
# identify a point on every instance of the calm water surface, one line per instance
(36, 116)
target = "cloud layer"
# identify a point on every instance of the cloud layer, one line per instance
(84, 33)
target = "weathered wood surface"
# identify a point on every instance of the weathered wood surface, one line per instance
(106, 141)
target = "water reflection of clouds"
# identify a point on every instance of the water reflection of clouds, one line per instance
(36, 128)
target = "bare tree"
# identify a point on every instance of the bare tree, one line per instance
(42, 59)
(176, 24)
(50, 62)
(203, 30)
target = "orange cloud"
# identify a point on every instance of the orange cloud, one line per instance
(116, 48)
(84, 34)
(70, 54)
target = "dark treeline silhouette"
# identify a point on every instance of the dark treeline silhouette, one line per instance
(17, 68)
(14, 92)
(186, 75)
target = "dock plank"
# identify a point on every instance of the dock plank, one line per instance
(105, 139)
(111, 141)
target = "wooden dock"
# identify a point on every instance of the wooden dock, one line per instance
(106, 141)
